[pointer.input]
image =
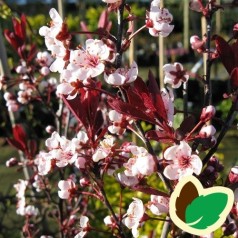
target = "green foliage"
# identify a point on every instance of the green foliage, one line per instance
(5, 11)
(92, 16)
(204, 212)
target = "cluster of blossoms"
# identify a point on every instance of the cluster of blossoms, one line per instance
(86, 148)
(22, 209)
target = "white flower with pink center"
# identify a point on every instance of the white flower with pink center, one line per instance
(122, 75)
(67, 188)
(84, 227)
(79, 141)
(91, 59)
(158, 20)
(83, 64)
(175, 74)
(158, 204)
(184, 163)
(119, 121)
(134, 215)
(141, 163)
(104, 149)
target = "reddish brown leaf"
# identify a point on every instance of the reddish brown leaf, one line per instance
(161, 136)
(20, 135)
(154, 89)
(225, 52)
(130, 110)
(234, 78)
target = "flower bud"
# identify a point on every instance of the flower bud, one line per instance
(21, 69)
(84, 182)
(235, 31)
(49, 129)
(207, 113)
(11, 162)
(229, 229)
(44, 71)
(208, 170)
(207, 131)
(233, 175)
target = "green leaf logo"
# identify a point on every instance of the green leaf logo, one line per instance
(197, 210)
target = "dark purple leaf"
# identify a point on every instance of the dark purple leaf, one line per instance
(234, 78)
(225, 52)
(130, 110)
(161, 136)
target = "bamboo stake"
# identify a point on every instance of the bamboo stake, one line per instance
(186, 25)
(132, 46)
(60, 5)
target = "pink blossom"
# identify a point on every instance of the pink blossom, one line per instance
(44, 162)
(119, 121)
(175, 74)
(84, 227)
(158, 205)
(80, 162)
(54, 45)
(197, 44)
(83, 64)
(159, 20)
(134, 215)
(184, 163)
(122, 75)
(141, 163)
(79, 141)
(67, 188)
(128, 181)
(90, 59)
(104, 149)
(54, 141)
